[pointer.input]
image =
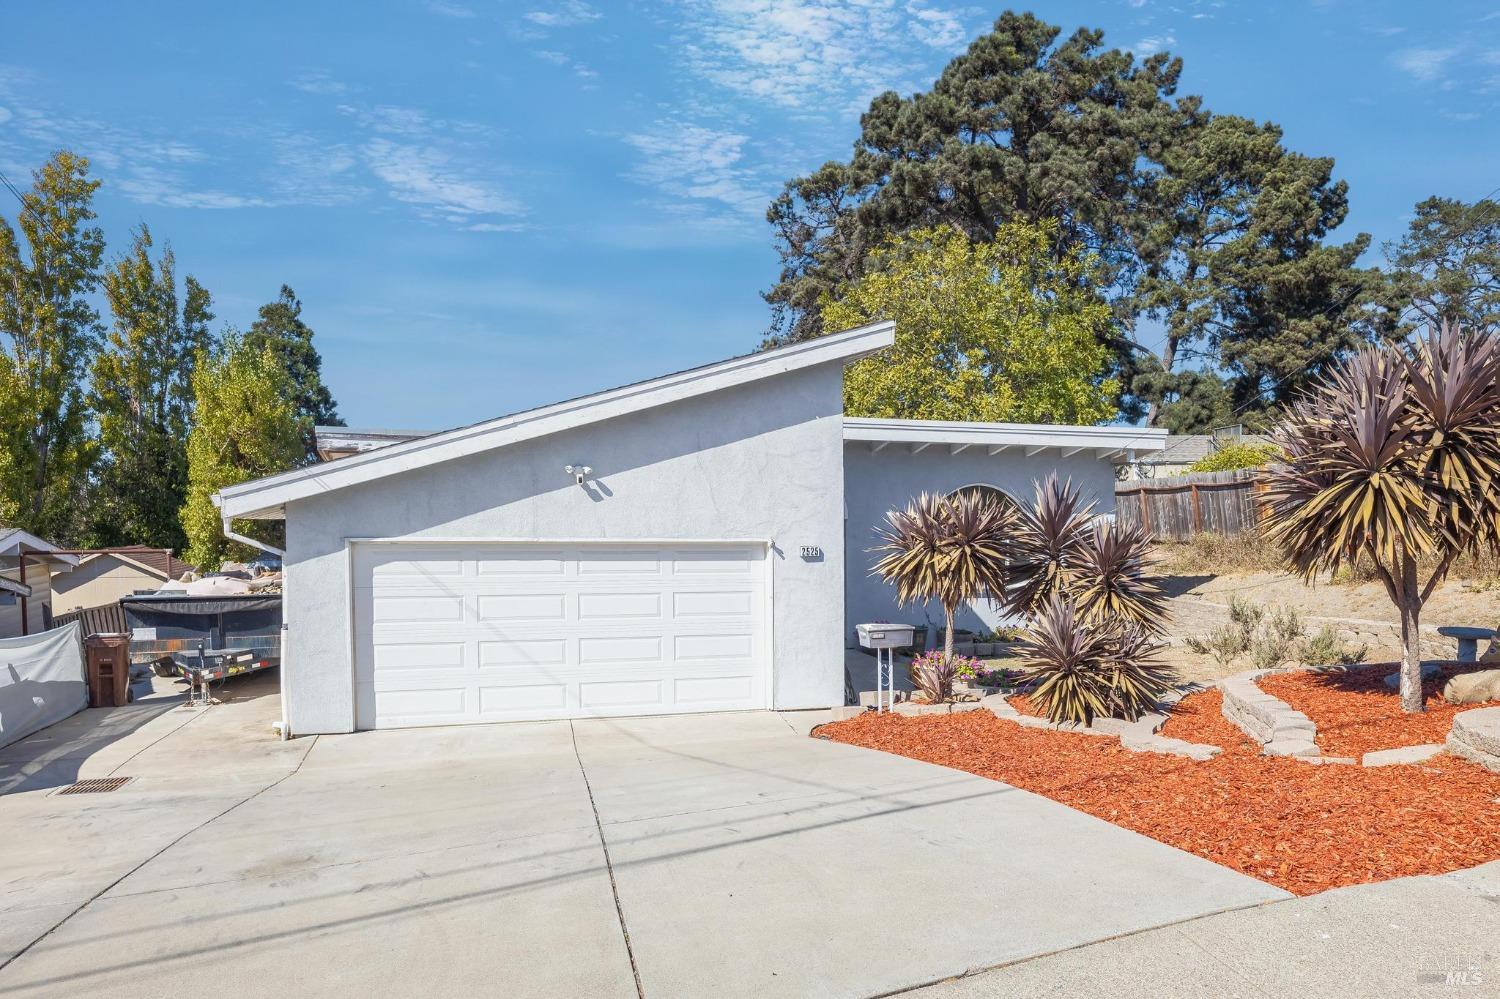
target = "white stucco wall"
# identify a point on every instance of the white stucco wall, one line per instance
(876, 482)
(762, 461)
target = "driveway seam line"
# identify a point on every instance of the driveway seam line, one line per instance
(105, 890)
(609, 867)
(191, 718)
(1125, 935)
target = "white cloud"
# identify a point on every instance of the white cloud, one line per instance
(833, 54)
(1423, 64)
(429, 177)
(579, 69)
(320, 84)
(568, 14)
(1152, 44)
(5, 115)
(699, 164)
(1136, 3)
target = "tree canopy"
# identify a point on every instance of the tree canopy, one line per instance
(280, 329)
(247, 426)
(1202, 225)
(49, 265)
(1447, 266)
(998, 331)
(143, 398)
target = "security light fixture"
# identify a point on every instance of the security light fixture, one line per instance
(579, 472)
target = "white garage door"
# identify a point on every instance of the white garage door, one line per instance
(496, 632)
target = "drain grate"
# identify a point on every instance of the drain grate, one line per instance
(98, 785)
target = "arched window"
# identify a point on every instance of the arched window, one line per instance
(983, 489)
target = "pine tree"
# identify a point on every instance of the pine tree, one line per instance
(280, 329)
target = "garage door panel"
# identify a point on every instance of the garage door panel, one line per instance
(521, 607)
(435, 607)
(523, 653)
(485, 632)
(522, 562)
(619, 606)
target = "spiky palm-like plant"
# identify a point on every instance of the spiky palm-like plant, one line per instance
(1082, 670)
(1050, 534)
(1061, 549)
(949, 549)
(1109, 578)
(1395, 456)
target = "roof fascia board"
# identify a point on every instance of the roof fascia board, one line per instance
(268, 496)
(1002, 435)
(117, 556)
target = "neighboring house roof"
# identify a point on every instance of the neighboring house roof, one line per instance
(159, 562)
(266, 498)
(341, 442)
(997, 437)
(1184, 449)
(13, 541)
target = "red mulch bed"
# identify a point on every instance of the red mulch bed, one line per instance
(1023, 704)
(1200, 718)
(1356, 713)
(1305, 828)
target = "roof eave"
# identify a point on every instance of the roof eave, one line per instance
(267, 498)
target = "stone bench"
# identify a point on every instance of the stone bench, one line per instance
(1476, 737)
(1468, 640)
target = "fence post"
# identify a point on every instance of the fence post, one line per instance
(1197, 508)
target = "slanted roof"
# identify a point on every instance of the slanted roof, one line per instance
(341, 442)
(266, 498)
(14, 541)
(159, 562)
(1030, 438)
(15, 586)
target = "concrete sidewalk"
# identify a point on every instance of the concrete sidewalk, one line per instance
(686, 856)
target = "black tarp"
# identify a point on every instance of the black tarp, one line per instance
(186, 605)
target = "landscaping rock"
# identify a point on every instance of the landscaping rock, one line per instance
(1292, 747)
(846, 711)
(1473, 688)
(1266, 719)
(1174, 747)
(1405, 754)
(1429, 670)
(1476, 736)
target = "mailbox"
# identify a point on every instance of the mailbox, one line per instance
(885, 636)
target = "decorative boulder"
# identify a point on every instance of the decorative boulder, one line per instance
(1473, 688)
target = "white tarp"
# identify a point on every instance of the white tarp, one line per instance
(41, 681)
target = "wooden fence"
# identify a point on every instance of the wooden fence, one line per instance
(106, 620)
(1176, 507)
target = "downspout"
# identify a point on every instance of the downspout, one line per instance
(284, 727)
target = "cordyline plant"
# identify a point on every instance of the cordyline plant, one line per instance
(1083, 669)
(1080, 578)
(950, 549)
(1396, 456)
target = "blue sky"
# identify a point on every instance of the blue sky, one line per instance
(487, 206)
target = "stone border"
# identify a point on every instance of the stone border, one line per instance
(1276, 725)
(1475, 736)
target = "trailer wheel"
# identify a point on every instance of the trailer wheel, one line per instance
(164, 668)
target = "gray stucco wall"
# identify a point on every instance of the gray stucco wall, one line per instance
(763, 461)
(876, 482)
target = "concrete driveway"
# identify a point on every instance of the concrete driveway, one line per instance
(687, 856)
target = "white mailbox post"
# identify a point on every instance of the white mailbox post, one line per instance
(885, 639)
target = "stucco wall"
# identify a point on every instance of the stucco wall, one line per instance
(876, 482)
(762, 461)
(99, 581)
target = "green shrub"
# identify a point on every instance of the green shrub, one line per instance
(1234, 457)
(1328, 648)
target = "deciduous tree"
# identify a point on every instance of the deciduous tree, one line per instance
(49, 264)
(142, 384)
(998, 331)
(246, 427)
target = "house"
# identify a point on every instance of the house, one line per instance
(106, 576)
(1180, 451)
(695, 542)
(26, 590)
